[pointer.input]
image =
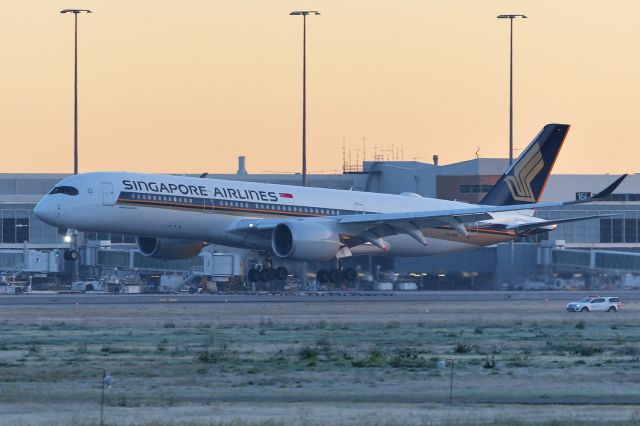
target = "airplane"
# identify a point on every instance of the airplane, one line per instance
(174, 217)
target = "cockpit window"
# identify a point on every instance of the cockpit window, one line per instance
(67, 190)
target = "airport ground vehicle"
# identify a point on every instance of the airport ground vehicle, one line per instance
(591, 303)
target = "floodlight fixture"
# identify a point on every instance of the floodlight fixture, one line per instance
(304, 12)
(76, 11)
(511, 16)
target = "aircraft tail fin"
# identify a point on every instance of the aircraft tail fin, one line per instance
(524, 181)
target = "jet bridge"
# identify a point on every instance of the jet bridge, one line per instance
(605, 261)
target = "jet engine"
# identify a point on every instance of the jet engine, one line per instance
(168, 248)
(304, 241)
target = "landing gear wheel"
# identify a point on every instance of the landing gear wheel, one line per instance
(281, 273)
(334, 276)
(322, 276)
(71, 255)
(254, 275)
(350, 274)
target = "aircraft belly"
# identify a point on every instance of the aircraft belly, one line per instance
(476, 238)
(169, 223)
(155, 222)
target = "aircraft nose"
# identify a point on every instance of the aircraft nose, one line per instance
(45, 211)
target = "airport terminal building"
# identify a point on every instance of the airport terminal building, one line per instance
(604, 247)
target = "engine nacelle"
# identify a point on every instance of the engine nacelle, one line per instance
(304, 241)
(168, 248)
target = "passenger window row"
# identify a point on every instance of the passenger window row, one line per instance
(168, 198)
(225, 203)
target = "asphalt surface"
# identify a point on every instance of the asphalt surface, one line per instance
(358, 296)
(620, 400)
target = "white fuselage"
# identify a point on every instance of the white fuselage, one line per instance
(208, 210)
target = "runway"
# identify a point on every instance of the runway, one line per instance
(306, 297)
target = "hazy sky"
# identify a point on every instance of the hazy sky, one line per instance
(187, 86)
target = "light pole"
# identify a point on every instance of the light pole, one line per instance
(443, 364)
(75, 85)
(511, 18)
(106, 380)
(451, 383)
(304, 14)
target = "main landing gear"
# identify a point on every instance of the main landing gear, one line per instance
(263, 273)
(336, 275)
(268, 277)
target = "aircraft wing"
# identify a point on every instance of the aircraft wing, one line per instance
(361, 228)
(358, 229)
(473, 213)
(425, 218)
(372, 227)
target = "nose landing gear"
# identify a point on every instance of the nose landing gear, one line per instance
(70, 254)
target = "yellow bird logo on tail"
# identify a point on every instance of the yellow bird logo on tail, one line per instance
(524, 173)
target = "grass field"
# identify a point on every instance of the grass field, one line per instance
(319, 363)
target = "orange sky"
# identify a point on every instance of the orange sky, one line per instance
(188, 86)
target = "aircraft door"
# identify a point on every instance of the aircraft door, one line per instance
(108, 197)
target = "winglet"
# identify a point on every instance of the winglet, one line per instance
(609, 189)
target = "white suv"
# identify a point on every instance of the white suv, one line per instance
(588, 304)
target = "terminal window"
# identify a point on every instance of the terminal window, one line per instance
(619, 231)
(474, 189)
(114, 238)
(15, 230)
(8, 230)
